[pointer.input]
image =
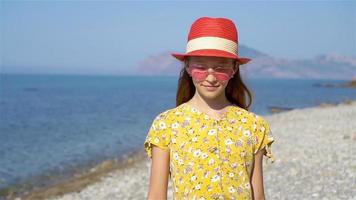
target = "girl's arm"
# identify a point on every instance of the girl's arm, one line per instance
(159, 174)
(257, 176)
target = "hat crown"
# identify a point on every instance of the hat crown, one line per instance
(213, 27)
(212, 36)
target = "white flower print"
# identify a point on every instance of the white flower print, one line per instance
(197, 187)
(190, 131)
(180, 162)
(229, 128)
(197, 152)
(175, 156)
(182, 145)
(270, 137)
(228, 142)
(175, 125)
(232, 189)
(174, 140)
(244, 119)
(206, 174)
(204, 155)
(162, 125)
(187, 170)
(217, 168)
(185, 123)
(262, 129)
(234, 165)
(240, 189)
(240, 173)
(211, 161)
(181, 181)
(194, 139)
(247, 185)
(156, 140)
(215, 178)
(205, 140)
(239, 143)
(228, 150)
(194, 110)
(212, 132)
(193, 178)
(202, 127)
(231, 174)
(247, 133)
(201, 198)
(206, 116)
(186, 191)
(250, 141)
(254, 126)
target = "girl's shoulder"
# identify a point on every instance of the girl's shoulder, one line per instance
(249, 115)
(166, 114)
(171, 113)
(163, 114)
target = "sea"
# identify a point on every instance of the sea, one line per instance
(50, 124)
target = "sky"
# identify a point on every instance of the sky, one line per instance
(112, 37)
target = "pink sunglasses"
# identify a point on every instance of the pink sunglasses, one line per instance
(199, 72)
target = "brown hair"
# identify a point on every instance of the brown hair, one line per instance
(236, 91)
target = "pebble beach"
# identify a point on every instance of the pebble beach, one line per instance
(315, 155)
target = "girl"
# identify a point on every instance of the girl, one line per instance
(210, 144)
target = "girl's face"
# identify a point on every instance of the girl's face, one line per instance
(210, 74)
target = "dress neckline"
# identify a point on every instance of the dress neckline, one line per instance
(224, 115)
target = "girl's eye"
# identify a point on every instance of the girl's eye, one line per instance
(201, 68)
(197, 65)
(223, 69)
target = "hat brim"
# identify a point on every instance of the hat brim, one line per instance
(211, 52)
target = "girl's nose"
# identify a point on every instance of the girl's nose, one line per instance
(211, 77)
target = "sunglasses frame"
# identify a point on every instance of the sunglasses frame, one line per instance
(190, 71)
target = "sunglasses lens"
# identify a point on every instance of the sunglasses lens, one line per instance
(222, 76)
(200, 73)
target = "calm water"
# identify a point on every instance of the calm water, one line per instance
(49, 123)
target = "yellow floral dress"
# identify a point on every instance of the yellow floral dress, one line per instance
(210, 158)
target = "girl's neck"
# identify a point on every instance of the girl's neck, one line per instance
(209, 104)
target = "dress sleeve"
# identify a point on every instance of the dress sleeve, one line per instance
(264, 138)
(158, 134)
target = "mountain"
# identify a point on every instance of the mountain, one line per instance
(264, 66)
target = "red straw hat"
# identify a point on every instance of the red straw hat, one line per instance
(212, 37)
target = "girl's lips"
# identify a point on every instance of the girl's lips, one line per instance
(210, 88)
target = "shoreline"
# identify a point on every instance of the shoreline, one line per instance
(82, 177)
(98, 173)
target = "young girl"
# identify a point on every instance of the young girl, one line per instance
(210, 144)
